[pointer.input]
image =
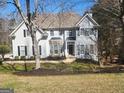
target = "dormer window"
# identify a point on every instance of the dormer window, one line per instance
(52, 33)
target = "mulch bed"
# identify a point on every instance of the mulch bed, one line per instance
(45, 72)
(41, 72)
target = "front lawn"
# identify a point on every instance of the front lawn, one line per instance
(62, 78)
(83, 83)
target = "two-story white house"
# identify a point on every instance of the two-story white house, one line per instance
(68, 35)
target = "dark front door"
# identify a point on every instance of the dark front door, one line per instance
(71, 49)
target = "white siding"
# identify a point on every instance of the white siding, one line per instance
(20, 40)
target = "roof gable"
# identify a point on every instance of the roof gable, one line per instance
(89, 18)
(16, 29)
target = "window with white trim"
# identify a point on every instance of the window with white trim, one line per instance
(51, 33)
(55, 48)
(86, 31)
(92, 49)
(60, 32)
(80, 49)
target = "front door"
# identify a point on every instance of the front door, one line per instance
(71, 48)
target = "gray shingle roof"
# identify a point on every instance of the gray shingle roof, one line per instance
(61, 20)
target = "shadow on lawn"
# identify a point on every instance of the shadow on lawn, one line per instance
(48, 72)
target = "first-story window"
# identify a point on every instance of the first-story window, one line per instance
(55, 48)
(22, 50)
(91, 49)
(80, 49)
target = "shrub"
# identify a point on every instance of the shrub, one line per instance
(76, 68)
(32, 58)
(1, 62)
(54, 58)
(16, 57)
(61, 66)
(86, 61)
(23, 58)
(4, 49)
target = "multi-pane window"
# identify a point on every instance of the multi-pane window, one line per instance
(26, 33)
(22, 50)
(91, 49)
(60, 32)
(85, 49)
(70, 33)
(55, 48)
(86, 31)
(81, 49)
(52, 33)
(92, 32)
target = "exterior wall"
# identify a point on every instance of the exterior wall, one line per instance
(87, 40)
(20, 40)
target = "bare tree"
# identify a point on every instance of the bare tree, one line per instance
(32, 28)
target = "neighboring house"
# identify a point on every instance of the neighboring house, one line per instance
(69, 35)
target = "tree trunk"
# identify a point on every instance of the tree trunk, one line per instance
(36, 51)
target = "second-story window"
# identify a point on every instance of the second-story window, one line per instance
(71, 33)
(28, 33)
(51, 33)
(60, 32)
(85, 31)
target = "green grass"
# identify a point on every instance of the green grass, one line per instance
(81, 83)
(73, 67)
(85, 83)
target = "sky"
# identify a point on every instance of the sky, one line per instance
(51, 6)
